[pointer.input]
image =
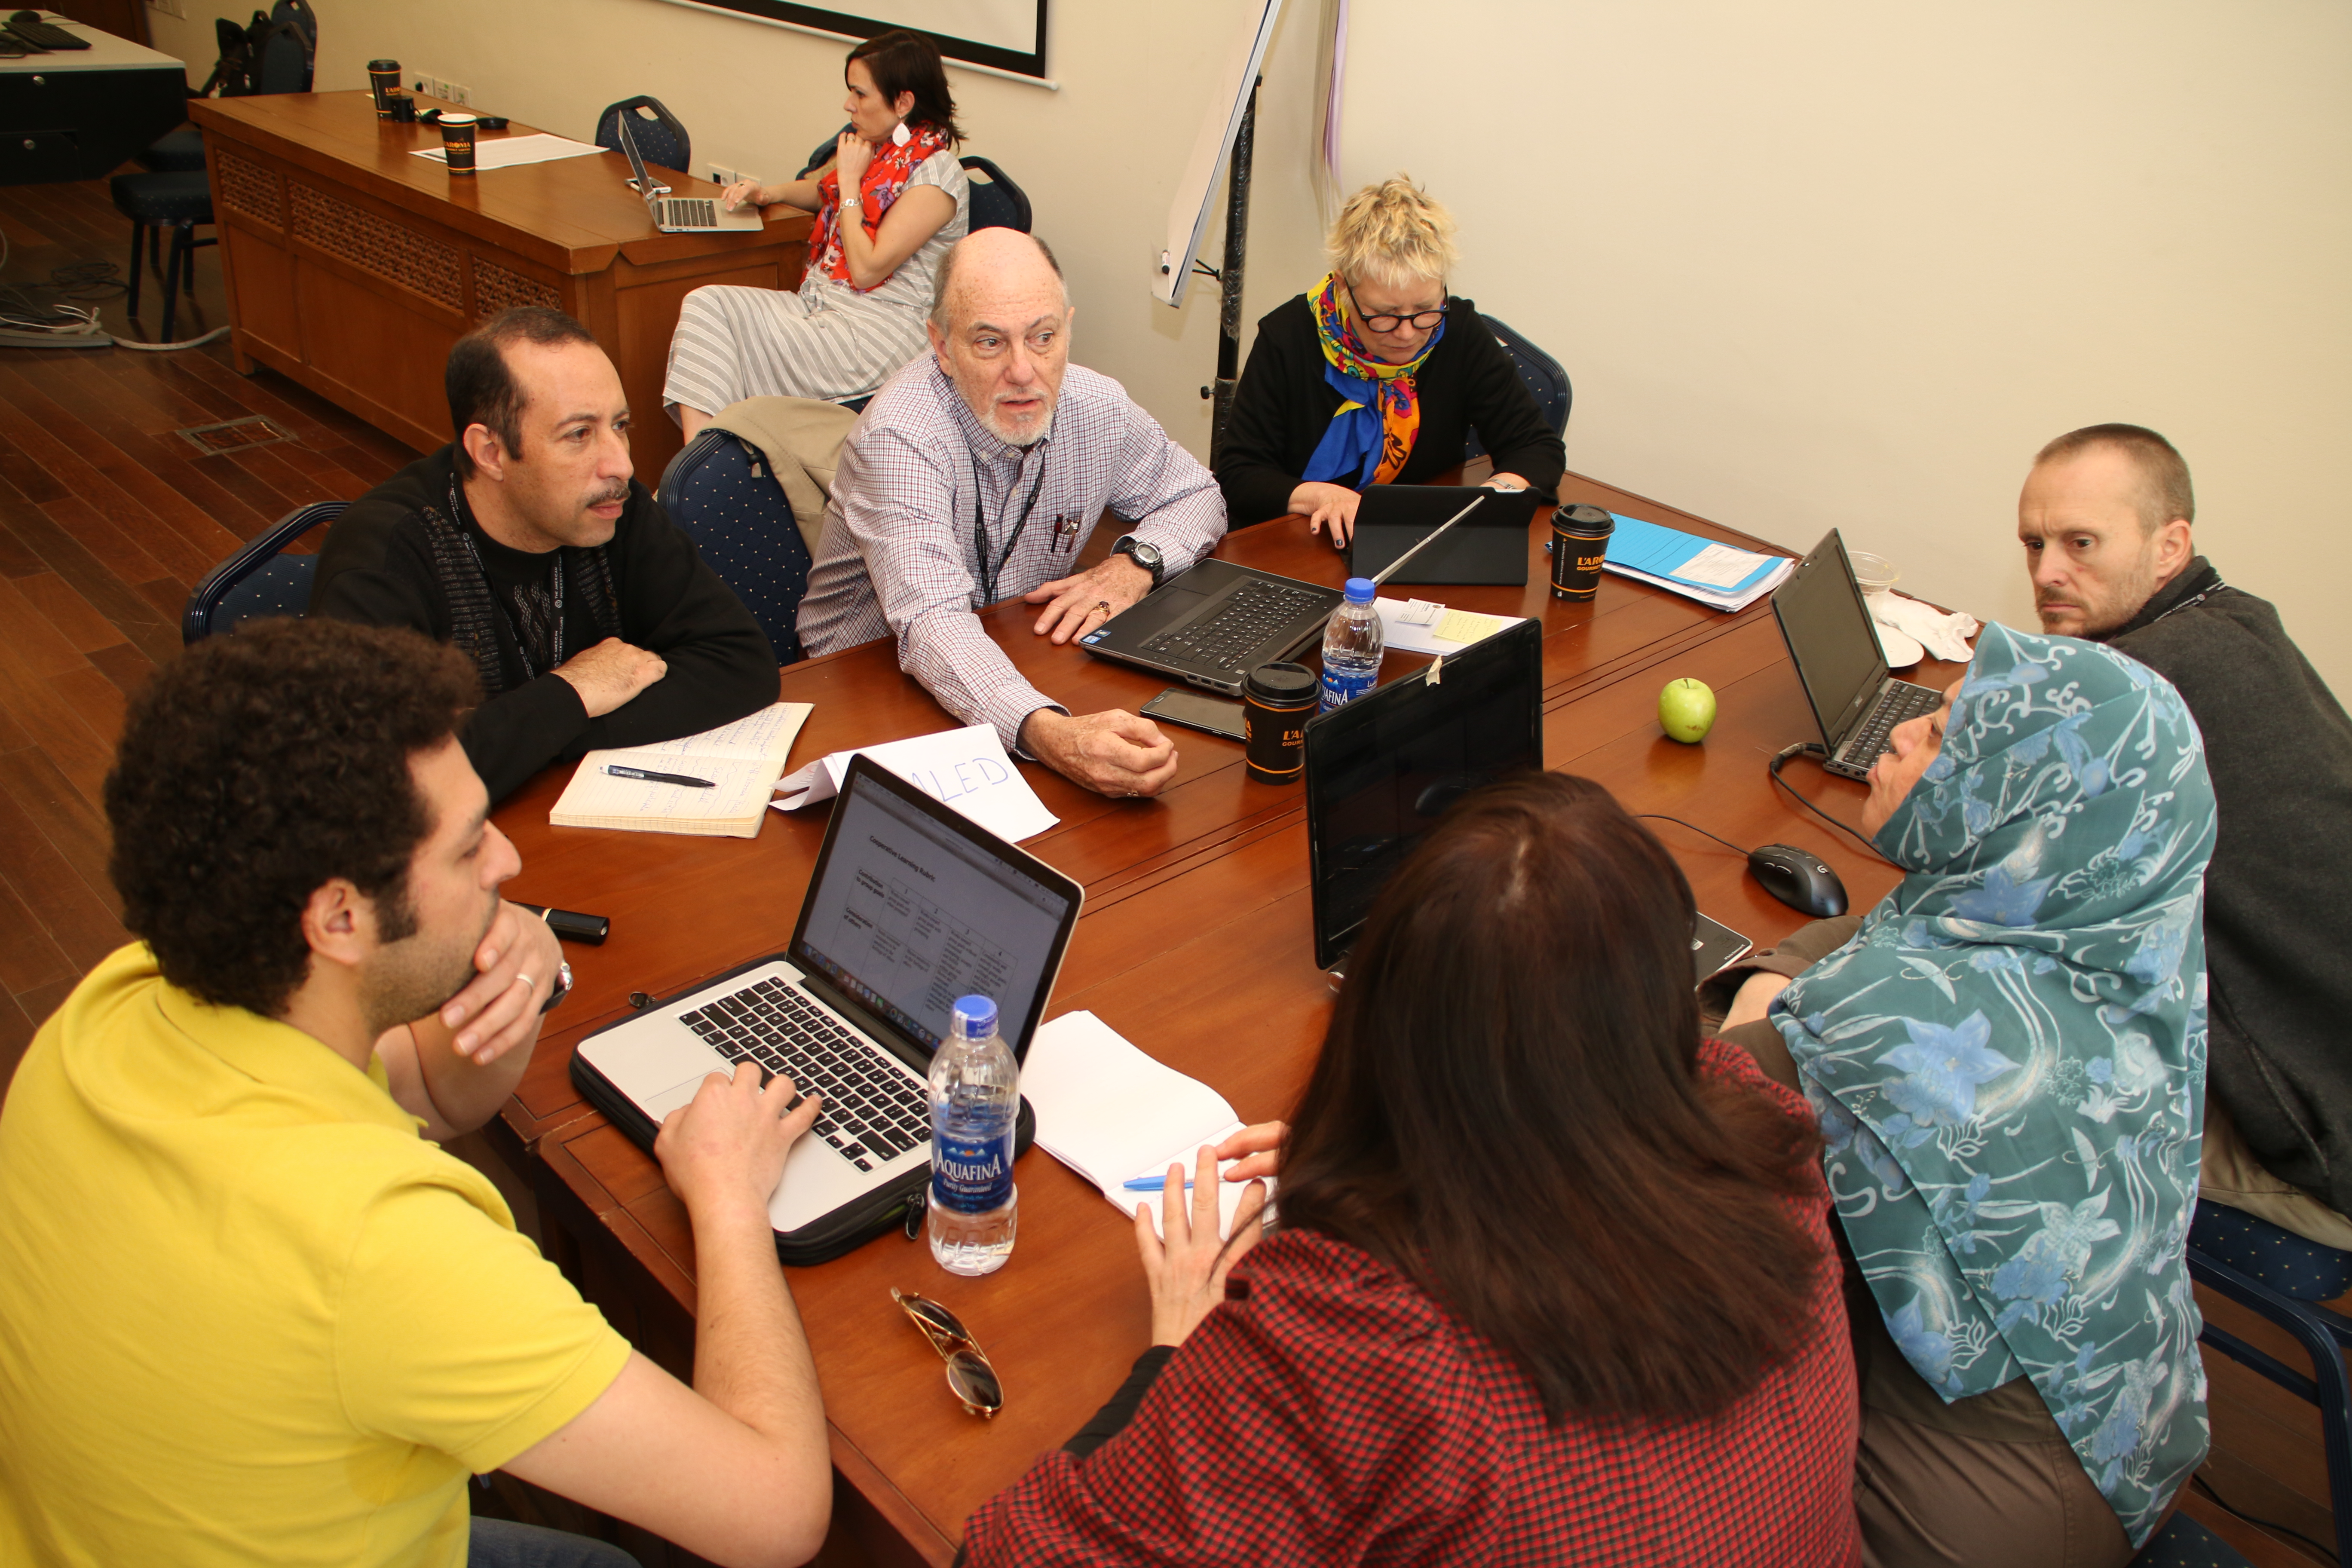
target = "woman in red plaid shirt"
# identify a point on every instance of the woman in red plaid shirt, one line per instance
(1554, 1282)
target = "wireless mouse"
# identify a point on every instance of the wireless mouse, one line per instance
(1799, 878)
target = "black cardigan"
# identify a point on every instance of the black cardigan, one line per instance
(376, 568)
(1283, 406)
(2278, 922)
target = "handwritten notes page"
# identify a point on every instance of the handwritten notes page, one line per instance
(966, 769)
(741, 761)
(1111, 1113)
(1418, 626)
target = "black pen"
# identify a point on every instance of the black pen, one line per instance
(618, 771)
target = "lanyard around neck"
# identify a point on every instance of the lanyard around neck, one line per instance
(988, 574)
(555, 572)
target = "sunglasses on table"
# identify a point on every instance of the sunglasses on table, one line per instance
(970, 1378)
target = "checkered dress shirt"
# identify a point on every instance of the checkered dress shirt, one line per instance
(900, 555)
(1328, 1412)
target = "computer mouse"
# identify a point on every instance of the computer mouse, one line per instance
(24, 15)
(1799, 878)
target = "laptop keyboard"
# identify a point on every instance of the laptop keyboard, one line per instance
(1233, 631)
(1899, 703)
(873, 1110)
(694, 212)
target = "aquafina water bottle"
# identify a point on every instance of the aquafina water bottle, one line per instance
(975, 1096)
(1351, 645)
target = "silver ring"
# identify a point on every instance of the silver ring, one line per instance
(527, 982)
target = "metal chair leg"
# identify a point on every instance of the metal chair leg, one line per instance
(180, 235)
(138, 233)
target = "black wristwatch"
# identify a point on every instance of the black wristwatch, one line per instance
(1144, 554)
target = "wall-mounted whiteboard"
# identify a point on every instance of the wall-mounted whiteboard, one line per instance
(1008, 34)
(1188, 215)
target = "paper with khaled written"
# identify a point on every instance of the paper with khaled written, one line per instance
(1112, 1113)
(505, 152)
(1417, 626)
(965, 768)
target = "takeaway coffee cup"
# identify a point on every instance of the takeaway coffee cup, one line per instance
(458, 140)
(383, 77)
(1276, 701)
(1580, 542)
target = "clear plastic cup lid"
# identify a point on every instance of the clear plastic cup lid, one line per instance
(974, 1016)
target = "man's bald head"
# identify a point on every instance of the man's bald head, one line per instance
(988, 260)
(1000, 331)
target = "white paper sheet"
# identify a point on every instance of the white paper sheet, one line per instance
(1398, 631)
(505, 152)
(1111, 1113)
(966, 769)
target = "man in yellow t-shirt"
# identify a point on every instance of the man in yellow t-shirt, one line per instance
(248, 1314)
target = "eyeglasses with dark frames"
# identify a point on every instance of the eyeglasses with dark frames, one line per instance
(971, 1377)
(1386, 321)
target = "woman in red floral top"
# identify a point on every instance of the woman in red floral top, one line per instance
(1554, 1282)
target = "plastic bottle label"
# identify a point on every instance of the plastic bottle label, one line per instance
(971, 1176)
(1342, 686)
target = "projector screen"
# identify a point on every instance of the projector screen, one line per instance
(1009, 35)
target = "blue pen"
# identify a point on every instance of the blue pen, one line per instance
(1151, 1184)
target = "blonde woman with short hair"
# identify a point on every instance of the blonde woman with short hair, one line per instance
(1376, 377)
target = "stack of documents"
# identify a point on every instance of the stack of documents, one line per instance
(1112, 1114)
(741, 761)
(505, 152)
(966, 769)
(1417, 626)
(1720, 575)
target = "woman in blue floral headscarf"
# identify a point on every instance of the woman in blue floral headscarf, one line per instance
(2007, 1058)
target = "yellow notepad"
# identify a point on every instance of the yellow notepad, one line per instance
(1465, 627)
(742, 761)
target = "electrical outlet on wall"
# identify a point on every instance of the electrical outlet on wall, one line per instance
(720, 177)
(459, 94)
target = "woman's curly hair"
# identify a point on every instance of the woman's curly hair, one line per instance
(256, 767)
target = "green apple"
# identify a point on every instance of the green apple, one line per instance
(1687, 709)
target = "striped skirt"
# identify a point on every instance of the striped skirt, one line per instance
(734, 342)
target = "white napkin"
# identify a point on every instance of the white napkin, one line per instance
(1945, 637)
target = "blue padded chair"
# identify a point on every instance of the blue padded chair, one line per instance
(178, 200)
(996, 202)
(2184, 1543)
(1543, 376)
(2280, 1275)
(822, 151)
(660, 136)
(258, 580)
(721, 491)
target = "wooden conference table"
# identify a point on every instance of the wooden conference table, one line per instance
(1194, 944)
(352, 266)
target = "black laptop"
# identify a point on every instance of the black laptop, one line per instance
(1213, 625)
(1856, 702)
(912, 904)
(1382, 770)
(1490, 545)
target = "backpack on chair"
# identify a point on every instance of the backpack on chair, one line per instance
(275, 52)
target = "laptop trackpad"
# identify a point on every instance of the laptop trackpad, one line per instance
(1164, 609)
(660, 1105)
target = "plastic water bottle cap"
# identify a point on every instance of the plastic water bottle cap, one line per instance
(974, 1016)
(1360, 590)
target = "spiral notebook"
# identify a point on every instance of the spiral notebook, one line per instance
(742, 761)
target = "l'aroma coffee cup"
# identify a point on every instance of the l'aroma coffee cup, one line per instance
(1276, 701)
(383, 77)
(458, 140)
(1580, 542)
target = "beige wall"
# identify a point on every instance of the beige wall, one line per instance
(1848, 263)
(1832, 263)
(1099, 159)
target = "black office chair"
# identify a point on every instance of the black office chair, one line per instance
(996, 201)
(260, 580)
(1544, 378)
(2183, 1543)
(660, 136)
(2280, 1275)
(722, 492)
(178, 200)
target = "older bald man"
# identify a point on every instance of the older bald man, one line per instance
(977, 475)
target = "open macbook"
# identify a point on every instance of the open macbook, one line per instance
(911, 905)
(682, 215)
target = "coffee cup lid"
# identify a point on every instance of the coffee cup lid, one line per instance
(1581, 516)
(1282, 682)
(455, 117)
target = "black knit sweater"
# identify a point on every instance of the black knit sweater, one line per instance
(1283, 406)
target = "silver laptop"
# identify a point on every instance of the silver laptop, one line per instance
(682, 215)
(1855, 698)
(911, 905)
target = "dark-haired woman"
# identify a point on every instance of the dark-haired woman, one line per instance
(1554, 1281)
(858, 313)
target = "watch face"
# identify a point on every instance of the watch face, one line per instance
(1146, 555)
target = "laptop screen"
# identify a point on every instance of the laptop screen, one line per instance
(913, 906)
(1382, 770)
(1829, 640)
(637, 161)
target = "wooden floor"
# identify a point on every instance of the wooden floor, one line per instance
(107, 518)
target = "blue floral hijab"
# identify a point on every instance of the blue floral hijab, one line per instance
(2009, 1058)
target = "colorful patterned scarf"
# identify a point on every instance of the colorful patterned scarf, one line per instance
(1363, 446)
(886, 177)
(2009, 1058)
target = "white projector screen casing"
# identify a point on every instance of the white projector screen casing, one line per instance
(1008, 34)
(1188, 215)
